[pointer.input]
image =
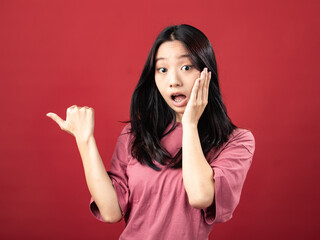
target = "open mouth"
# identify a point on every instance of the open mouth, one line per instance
(178, 97)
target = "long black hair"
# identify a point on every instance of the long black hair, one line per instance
(150, 115)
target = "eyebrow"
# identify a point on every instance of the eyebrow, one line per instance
(182, 56)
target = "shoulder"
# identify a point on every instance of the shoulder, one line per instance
(125, 135)
(126, 130)
(242, 137)
(241, 143)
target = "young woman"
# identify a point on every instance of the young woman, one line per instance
(180, 164)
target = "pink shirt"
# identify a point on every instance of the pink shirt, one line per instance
(155, 204)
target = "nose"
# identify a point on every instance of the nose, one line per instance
(175, 79)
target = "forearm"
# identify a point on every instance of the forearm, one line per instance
(98, 181)
(196, 171)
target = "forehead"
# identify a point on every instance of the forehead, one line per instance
(171, 49)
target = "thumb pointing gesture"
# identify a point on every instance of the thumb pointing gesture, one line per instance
(79, 122)
(58, 120)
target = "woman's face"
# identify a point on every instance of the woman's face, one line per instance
(175, 75)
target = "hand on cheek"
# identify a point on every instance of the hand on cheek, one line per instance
(198, 99)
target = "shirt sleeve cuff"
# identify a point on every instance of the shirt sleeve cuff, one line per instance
(122, 195)
(95, 210)
(214, 213)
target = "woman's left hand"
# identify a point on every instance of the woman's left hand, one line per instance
(198, 99)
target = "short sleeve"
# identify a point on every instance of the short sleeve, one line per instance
(230, 165)
(117, 173)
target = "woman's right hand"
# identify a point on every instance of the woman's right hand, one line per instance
(79, 122)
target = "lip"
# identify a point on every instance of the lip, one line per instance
(178, 104)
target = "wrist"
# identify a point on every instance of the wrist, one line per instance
(189, 125)
(84, 140)
(189, 130)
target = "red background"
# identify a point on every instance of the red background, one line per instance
(54, 54)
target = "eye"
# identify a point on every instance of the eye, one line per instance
(186, 67)
(162, 70)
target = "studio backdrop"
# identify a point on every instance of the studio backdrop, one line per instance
(54, 54)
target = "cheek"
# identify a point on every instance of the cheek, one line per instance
(191, 83)
(159, 87)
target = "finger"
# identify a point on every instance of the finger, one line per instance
(69, 109)
(206, 85)
(209, 79)
(202, 83)
(206, 92)
(72, 109)
(195, 89)
(57, 119)
(88, 108)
